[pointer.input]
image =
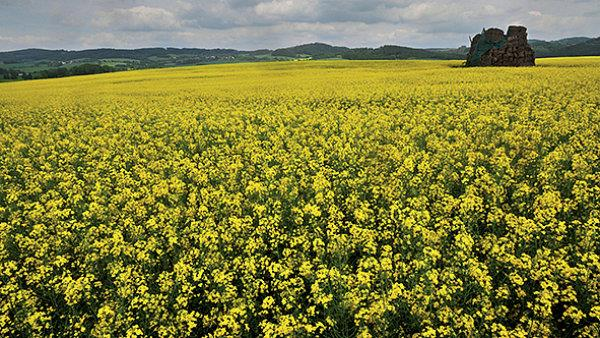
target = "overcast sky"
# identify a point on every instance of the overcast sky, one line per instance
(255, 24)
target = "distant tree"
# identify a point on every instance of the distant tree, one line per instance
(53, 73)
(9, 74)
(86, 69)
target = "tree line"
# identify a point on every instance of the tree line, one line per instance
(84, 69)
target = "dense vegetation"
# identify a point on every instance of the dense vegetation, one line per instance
(37, 63)
(329, 198)
(579, 46)
(82, 69)
(10, 74)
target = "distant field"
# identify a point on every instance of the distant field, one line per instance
(176, 60)
(327, 198)
(38, 66)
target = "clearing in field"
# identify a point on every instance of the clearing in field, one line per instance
(330, 198)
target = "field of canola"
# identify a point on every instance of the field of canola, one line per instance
(329, 198)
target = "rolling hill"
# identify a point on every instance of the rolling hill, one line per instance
(560, 47)
(41, 63)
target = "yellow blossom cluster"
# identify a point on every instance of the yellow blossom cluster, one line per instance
(325, 198)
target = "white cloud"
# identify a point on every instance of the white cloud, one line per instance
(535, 13)
(283, 9)
(138, 18)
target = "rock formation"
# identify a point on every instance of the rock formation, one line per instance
(493, 48)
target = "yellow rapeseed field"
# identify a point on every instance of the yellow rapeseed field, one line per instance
(320, 198)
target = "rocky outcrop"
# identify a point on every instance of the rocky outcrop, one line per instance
(493, 48)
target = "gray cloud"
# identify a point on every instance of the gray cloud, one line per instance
(253, 24)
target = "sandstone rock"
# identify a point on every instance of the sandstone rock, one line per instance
(494, 34)
(493, 48)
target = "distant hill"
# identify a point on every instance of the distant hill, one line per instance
(590, 47)
(324, 51)
(399, 53)
(559, 47)
(170, 56)
(315, 50)
(575, 46)
(28, 55)
(40, 63)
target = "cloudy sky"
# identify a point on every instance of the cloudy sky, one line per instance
(254, 24)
